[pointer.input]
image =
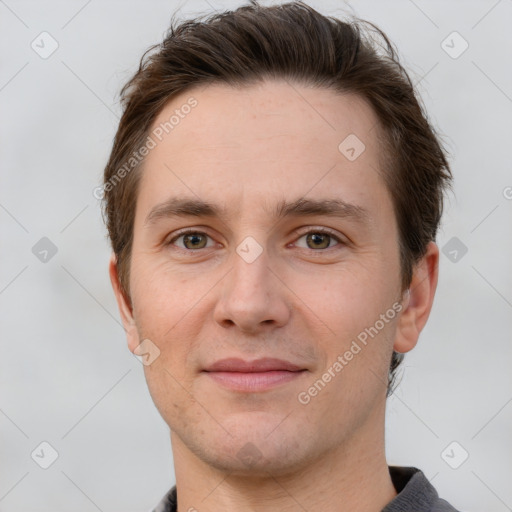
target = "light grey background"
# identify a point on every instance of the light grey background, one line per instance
(66, 375)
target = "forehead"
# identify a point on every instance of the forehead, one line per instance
(266, 110)
(250, 142)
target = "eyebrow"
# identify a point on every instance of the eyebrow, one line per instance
(183, 207)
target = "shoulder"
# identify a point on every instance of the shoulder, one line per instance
(168, 503)
(415, 492)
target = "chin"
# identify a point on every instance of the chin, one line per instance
(255, 447)
(251, 460)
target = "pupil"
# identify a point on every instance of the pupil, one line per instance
(194, 239)
(318, 238)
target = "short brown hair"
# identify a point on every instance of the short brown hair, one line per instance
(291, 41)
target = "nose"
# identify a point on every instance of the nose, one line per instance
(253, 297)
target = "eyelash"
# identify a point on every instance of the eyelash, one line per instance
(323, 231)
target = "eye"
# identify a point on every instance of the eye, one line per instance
(191, 240)
(314, 239)
(319, 239)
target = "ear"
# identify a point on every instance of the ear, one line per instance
(124, 305)
(418, 300)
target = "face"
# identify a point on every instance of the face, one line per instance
(261, 232)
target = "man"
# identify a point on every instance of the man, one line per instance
(272, 198)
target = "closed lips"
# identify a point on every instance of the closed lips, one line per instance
(257, 366)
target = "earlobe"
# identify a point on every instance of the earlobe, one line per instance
(417, 300)
(124, 305)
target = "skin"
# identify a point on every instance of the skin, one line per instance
(302, 299)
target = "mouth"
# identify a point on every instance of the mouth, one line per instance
(260, 375)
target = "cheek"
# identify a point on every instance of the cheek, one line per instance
(160, 294)
(356, 313)
(357, 364)
(165, 311)
(351, 298)
(172, 394)
(164, 308)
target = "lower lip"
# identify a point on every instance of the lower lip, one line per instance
(254, 381)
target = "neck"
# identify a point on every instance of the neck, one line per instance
(351, 476)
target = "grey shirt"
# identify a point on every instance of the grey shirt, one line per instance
(415, 494)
